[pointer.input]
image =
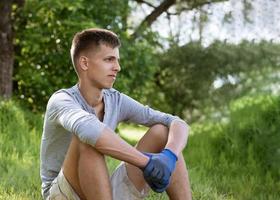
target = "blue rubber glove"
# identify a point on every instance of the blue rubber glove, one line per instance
(153, 177)
(158, 170)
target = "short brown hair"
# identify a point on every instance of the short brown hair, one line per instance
(91, 38)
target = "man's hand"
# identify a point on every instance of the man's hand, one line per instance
(159, 169)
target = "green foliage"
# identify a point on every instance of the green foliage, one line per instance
(184, 75)
(44, 30)
(138, 66)
(187, 74)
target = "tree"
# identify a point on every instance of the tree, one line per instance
(6, 50)
(187, 75)
(164, 6)
(118, 18)
(6, 47)
(45, 30)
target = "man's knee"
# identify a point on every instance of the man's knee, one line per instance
(155, 139)
(159, 133)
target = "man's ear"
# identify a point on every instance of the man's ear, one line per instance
(83, 62)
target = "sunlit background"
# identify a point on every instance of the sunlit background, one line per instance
(232, 20)
(214, 63)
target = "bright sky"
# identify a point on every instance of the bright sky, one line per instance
(265, 17)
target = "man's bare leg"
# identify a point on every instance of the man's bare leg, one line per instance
(179, 187)
(154, 141)
(86, 171)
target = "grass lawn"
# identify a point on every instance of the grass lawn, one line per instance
(216, 171)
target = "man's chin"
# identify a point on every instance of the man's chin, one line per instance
(108, 86)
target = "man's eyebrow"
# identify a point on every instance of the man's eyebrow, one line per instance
(112, 57)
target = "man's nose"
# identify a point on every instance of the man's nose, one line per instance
(117, 66)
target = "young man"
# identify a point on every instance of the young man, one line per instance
(79, 131)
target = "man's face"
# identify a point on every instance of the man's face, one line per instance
(103, 66)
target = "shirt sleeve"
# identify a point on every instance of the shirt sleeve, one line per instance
(64, 111)
(133, 111)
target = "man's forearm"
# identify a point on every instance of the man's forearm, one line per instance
(111, 144)
(177, 137)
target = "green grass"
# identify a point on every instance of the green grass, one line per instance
(231, 161)
(131, 133)
(239, 159)
(20, 133)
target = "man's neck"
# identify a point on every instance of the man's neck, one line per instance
(92, 95)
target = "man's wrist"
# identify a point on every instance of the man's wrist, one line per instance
(170, 154)
(144, 161)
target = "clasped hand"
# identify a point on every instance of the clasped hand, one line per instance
(158, 170)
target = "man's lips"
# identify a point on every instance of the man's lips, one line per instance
(114, 76)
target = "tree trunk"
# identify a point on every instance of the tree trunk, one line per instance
(6, 49)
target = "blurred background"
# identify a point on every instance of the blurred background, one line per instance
(214, 63)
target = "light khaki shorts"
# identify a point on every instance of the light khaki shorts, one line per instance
(122, 187)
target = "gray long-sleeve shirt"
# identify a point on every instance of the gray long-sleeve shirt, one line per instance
(68, 113)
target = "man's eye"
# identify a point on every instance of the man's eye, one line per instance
(109, 59)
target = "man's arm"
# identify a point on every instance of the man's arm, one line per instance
(135, 112)
(178, 136)
(90, 130)
(109, 143)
